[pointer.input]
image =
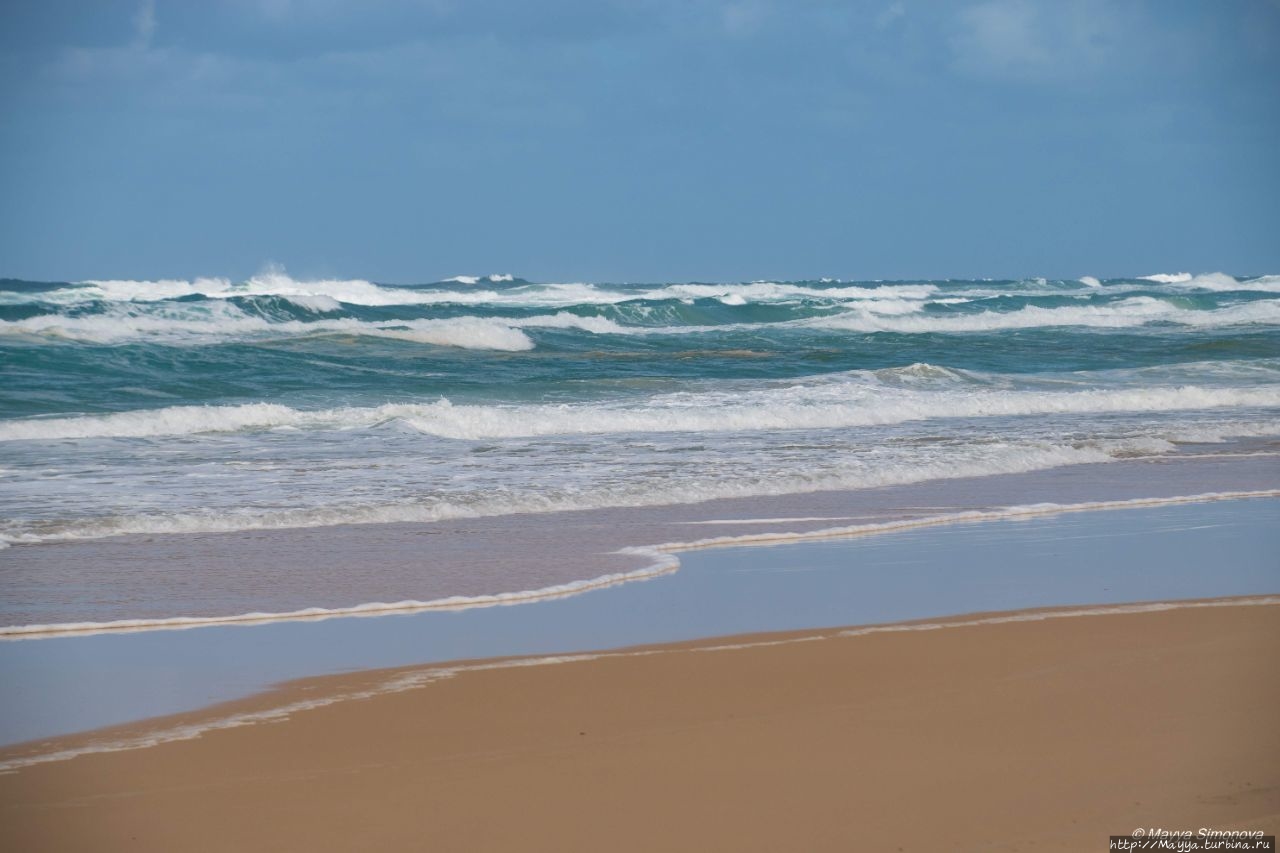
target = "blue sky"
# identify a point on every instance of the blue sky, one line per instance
(407, 140)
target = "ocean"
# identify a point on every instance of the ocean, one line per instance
(171, 418)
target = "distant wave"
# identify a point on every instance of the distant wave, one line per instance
(1216, 281)
(767, 291)
(1222, 283)
(505, 289)
(345, 291)
(205, 324)
(1127, 313)
(214, 321)
(366, 293)
(497, 278)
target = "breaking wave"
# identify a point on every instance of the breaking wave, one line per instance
(1127, 313)
(851, 400)
(184, 323)
(1216, 281)
(514, 292)
(225, 322)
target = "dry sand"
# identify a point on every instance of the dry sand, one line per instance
(1036, 735)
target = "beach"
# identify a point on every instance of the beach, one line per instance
(611, 426)
(887, 567)
(497, 564)
(1015, 721)
(1039, 733)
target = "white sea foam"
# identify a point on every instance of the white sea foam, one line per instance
(1217, 281)
(565, 320)
(174, 420)
(661, 564)
(1210, 281)
(128, 317)
(857, 399)
(978, 459)
(921, 373)
(1262, 282)
(768, 291)
(1006, 513)
(275, 282)
(1126, 313)
(207, 323)
(1220, 282)
(464, 332)
(314, 302)
(975, 461)
(496, 278)
(272, 282)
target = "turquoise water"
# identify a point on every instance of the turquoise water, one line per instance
(131, 346)
(143, 408)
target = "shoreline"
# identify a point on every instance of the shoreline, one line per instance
(280, 702)
(626, 557)
(662, 564)
(1148, 714)
(1040, 557)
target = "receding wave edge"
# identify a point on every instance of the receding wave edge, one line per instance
(662, 561)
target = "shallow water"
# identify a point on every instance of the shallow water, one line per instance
(152, 578)
(1196, 550)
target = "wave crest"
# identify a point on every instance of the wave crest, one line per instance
(1126, 313)
(859, 398)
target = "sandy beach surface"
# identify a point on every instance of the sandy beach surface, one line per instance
(1044, 734)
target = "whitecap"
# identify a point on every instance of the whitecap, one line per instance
(827, 402)
(1126, 313)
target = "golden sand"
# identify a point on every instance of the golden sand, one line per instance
(1031, 735)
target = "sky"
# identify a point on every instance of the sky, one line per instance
(638, 140)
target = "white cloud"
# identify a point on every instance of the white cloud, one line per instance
(144, 24)
(744, 17)
(1034, 40)
(891, 13)
(1000, 34)
(275, 9)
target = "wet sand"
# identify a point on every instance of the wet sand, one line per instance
(1049, 734)
(1145, 552)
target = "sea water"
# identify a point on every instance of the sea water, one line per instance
(134, 410)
